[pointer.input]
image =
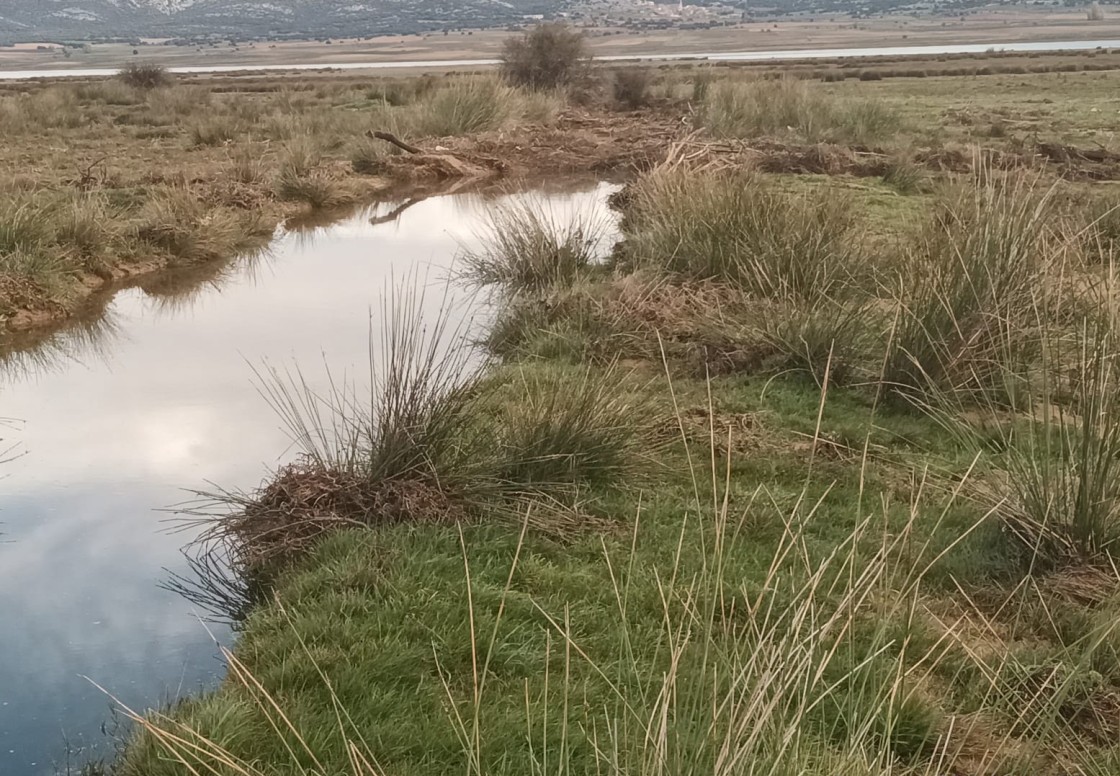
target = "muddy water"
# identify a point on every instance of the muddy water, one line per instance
(119, 414)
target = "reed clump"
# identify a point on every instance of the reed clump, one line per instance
(737, 109)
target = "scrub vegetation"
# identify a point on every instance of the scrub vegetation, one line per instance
(809, 469)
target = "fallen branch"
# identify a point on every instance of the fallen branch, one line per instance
(389, 137)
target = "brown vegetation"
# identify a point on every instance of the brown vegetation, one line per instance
(129, 155)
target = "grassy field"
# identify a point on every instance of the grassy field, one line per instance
(816, 474)
(105, 181)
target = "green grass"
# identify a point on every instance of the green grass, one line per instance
(752, 613)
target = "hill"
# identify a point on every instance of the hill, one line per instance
(92, 19)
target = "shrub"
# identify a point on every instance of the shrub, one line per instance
(631, 87)
(736, 227)
(144, 75)
(549, 56)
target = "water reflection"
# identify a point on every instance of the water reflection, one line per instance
(85, 339)
(119, 412)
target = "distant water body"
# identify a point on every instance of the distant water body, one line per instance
(727, 56)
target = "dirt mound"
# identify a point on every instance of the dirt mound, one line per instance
(819, 159)
(1087, 164)
(578, 142)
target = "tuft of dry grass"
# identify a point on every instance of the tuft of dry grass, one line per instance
(739, 228)
(967, 293)
(526, 249)
(462, 107)
(177, 221)
(215, 131)
(368, 156)
(789, 105)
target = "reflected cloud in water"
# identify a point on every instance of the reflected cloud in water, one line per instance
(120, 413)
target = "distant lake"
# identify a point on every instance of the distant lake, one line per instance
(727, 56)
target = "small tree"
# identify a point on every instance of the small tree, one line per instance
(1096, 13)
(631, 88)
(548, 56)
(144, 75)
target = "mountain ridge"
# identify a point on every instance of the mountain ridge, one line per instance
(92, 19)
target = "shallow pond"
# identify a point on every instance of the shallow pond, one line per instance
(117, 418)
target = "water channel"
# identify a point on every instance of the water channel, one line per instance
(116, 417)
(721, 56)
